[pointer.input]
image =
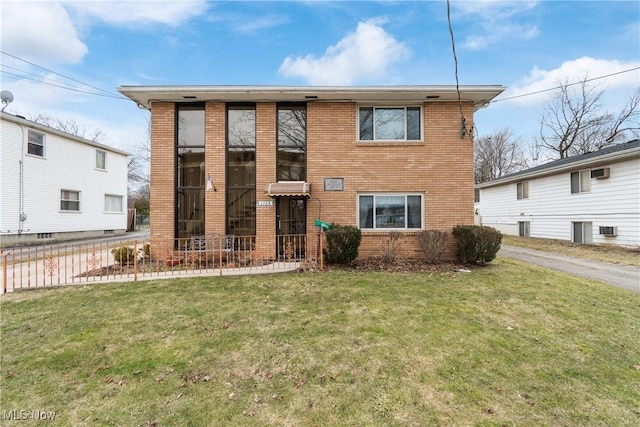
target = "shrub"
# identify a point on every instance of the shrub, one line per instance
(123, 254)
(433, 243)
(389, 247)
(476, 244)
(343, 242)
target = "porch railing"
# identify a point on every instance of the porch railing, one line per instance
(131, 260)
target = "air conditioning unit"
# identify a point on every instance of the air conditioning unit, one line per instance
(601, 173)
(608, 231)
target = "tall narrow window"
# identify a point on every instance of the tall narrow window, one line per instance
(190, 173)
(101, 159)
(241, 170)
(292, 143)
(523, 190)
(35, 145)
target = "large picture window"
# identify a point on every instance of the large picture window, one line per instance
(390, 123)
(390, 211)
(35, 145)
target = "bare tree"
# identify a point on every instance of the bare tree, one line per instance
(574, 122)
(70, 126)
(497, 155)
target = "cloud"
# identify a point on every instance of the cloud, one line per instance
(140, 12)
(498, 20)
(41, 31)
(539, 80)
(366, 54)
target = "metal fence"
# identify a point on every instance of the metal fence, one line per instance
(66, 264)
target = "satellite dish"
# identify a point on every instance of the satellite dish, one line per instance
(6, 97)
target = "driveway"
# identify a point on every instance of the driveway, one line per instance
(622, 276)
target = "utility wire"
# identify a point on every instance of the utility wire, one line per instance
(106, 95)
(463, 126)
(109, 94)
(569, 84)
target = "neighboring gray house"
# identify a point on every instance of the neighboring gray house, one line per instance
(589, 198)
(56, 186)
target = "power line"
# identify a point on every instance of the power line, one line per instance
(463, 127)
(108, 93)
(568, 84)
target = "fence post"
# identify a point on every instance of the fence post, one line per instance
(4, 272)
(135, 260)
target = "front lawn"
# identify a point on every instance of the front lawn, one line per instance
(508, 344)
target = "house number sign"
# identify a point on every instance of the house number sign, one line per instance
(263, 203)
(334, 184)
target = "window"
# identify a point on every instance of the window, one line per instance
(69, 200)
(390, 211)
(101, 159)
(112, 203)
(523, 190)
(581, 182)
(35, 144)
(582, 232)
(524, 228)
(390, 124)
(292, 143)
(241, 170)
(190, 170)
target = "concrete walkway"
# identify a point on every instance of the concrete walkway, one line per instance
(622, 276)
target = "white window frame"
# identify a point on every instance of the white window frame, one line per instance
(522, 190)
(30, 143)
(63, 199)
(584, 180)
(104, 159)
(373, 130)
(107, 205)
(377, 195)
(524, 228)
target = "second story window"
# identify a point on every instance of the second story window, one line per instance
(581, 181)
(523, 190)
(292, 143)
(389, 123)
(35, 145)
(101, 159)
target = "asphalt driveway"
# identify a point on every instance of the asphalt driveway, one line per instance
(622, 276)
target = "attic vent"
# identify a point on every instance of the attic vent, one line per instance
(608, 231)
(601, 173)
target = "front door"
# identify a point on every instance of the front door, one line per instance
(291, 227)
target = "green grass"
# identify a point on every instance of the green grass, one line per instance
(508, 344)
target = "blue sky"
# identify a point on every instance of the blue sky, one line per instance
(96, 46)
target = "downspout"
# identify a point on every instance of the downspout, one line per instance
(22, 217)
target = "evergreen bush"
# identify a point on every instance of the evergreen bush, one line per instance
(476, 244)
(343, 242)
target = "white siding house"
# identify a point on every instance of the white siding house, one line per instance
(56, 186)
(590, 198)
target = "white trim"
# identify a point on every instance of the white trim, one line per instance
(382, 194)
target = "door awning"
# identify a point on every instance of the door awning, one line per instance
(288, 189)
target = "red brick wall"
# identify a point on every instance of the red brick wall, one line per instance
(441, 168)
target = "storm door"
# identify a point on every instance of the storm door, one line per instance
(291, 227)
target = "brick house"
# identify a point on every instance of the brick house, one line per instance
(267, 161)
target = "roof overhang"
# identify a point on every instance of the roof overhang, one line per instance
(479, 95)
(288, 189)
